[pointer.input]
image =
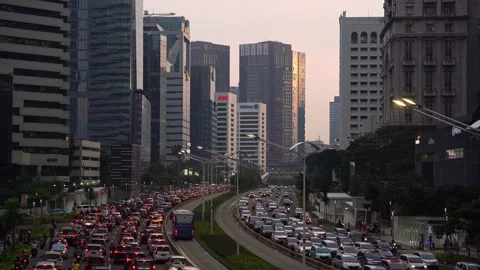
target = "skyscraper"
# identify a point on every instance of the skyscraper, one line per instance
(213, 55)
(334, 119)
(34, 86)
(360, 74)
(177, 31)
(298, 98)
(203, 118)
(155, 69)
(227, 109)
(266, 77)
(252, 120)
(434, 62)
(115, 56)
(78, 68)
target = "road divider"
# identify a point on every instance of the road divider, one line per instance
(309, 261)
(221, 246)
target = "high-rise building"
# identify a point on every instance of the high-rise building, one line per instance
(78, 67)
(141, 126)
(298, 98)
(115, 68)
(360, 74)
(430, 55)
(235, 90)
(177, 31)
(203, 118)
(227, 127)
(84, 162)
(155, 69)
(34, 86)
(252, 120)
(213, 55)
(266, 77)
(334, 119)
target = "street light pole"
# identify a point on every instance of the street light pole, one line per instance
(304, 207)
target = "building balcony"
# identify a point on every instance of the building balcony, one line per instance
(429, 61)
(409, 61)
(448, 92)
(448, 61)
(408, 92)
(429, 92)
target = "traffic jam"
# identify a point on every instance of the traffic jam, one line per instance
(125, 235)
(271, 213)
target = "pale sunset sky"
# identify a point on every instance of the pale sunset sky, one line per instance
(310, 26)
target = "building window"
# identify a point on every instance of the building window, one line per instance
(429, 49)
(373, 37)
(448, 49)
(449, 27)
(409, 10)
(409, 28)
(430, 27)
(408, 115)
(364, 38)
(447, 109)
(430, 10)
(429, 81)
(408, 50)
(354, 38)
(448, 9)
(448, 83)
(428, 105)
(408, 77)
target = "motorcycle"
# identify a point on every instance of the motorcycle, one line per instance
(24, 263)
(41, 244)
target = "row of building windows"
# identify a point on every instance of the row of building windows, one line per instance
(364, 38)
(456, 153)
(364, 92)
(365, 66)
(366, 83)
(429, 49)
(363, 100)
(354, 58)
(372, 109)
(448, 75)
(373, 49)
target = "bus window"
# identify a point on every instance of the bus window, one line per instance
(184, 219)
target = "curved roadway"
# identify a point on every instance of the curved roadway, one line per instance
(227, 221)
(192, 249)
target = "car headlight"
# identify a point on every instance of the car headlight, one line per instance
(425, 267)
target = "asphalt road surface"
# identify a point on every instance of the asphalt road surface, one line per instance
(191, 248)
(228, 222)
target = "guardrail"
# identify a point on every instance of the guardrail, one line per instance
(309, 261)
(175, 249)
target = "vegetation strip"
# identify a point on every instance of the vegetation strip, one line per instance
(220, 245)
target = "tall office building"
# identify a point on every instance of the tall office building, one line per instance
(177, 31)
(334, 119)
(234, 89)
(430, 55)
(252, 120)
(266, 77)
(213, 55)
(203, 115)
(115, 56)
(142, 126)
(227, 127)
(298, 98)
(34, 86)
(155, 69)
(78, 68)
(360, 75)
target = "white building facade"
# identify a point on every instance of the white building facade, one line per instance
(227, 127)
(360, 75)
(252, 120)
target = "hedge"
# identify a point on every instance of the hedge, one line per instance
(453, 258)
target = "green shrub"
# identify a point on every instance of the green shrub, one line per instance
(7, 262)
(453, 259)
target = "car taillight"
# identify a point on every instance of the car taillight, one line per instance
(154, 267)
(86, 250)
(176, 232)
(193, 232)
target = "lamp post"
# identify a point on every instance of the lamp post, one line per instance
(41, 212)
(204, 162)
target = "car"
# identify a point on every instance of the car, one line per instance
(95, 260)
(429, 259)
(411, 261)
(392, 264)
(279, 236)
(373, 267)
(155, 243)
(369, 258)
(466, 266)
(144, 264)
(62, 249)
(332, 245)
(127, 240)
(245, 214)
(93, 249)
(301, 246)
(318, 231)
(44, 265)
(176, 261)
(385, 254)
(131, 257)
(348, 250)
(55, 257)
(321, 254)
(162, 253)
(121, 252)
(342, 261)
(365, 246)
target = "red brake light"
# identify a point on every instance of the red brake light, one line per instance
(193, 232)
(176, 232)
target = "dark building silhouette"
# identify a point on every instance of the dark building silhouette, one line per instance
(213, 55)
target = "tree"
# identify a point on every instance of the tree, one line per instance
(12, 216)
(469, 217)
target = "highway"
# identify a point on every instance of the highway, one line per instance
(192, 249)
(226, 220)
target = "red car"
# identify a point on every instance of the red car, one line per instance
(95, 260)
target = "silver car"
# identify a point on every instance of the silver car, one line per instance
(342, 261)
(411, 262)
(428, 259)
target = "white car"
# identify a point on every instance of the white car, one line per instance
(300, 246)
(154, 236)
(62, 249)
(176, 261)
(156, 243)
(54, 257)
(279, 236)
(93, 249)
(44, 265)
(127, 240)
(246, 214)
(162, 253)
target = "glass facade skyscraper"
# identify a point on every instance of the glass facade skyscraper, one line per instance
(213, 55)
(155, 84)
(115, 54)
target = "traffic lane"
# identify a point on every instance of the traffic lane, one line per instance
(41, 252)
(225, 219)
(191, 248)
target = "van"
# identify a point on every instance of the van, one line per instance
(83, 207)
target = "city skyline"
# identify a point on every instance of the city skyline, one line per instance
(322, 63)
